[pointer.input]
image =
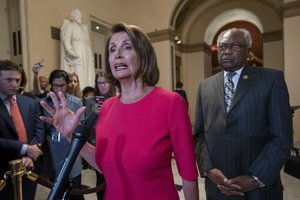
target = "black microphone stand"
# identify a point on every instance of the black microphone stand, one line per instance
(62, 185)
(67, 194)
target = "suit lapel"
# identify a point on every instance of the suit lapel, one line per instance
(6, 116)
(243, 86)
(218, 86)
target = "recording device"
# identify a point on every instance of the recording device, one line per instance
(40, 63)
(100, 99)
(61, 183)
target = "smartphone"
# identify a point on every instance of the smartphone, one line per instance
(100, 99)
(40, 63)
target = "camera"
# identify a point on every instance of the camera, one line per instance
(40, 63)
(100, 99)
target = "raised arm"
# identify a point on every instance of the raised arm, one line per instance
(36, 82)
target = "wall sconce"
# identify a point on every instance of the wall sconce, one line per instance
(177, 40)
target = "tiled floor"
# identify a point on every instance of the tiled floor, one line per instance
(291, 186)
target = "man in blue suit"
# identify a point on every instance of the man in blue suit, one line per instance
(243, 125)
(13, 144)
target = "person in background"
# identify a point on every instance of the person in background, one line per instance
(40, 83)
(87, 93)
(103, 90)
(137, 131)
(21, 130)
(180, 91)
(57, 143)
(22, 86)
(74, 86)
(243, 125)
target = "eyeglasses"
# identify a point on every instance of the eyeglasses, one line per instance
(102, 83)
(233, 47)
(56, 86)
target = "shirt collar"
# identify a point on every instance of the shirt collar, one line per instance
(238, 72)
(3, 97)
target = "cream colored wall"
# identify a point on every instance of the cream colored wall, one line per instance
(273, 55)
(195, 63)
(4, 35)
(163, 53)
(291, 62)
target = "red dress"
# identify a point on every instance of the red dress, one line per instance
(134, 145)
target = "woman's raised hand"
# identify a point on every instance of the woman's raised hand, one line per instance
(61, 117)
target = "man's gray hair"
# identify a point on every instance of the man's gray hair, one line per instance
(244, 32)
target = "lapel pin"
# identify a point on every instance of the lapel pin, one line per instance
(245, 77)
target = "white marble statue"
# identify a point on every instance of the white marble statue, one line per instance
(76, 52)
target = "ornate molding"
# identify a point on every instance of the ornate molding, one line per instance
(192, 48)
(162, 35)
(272, 36)
(291, 9)
(168, 35)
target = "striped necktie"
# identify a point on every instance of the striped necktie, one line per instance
(17, 120)
(229, 90)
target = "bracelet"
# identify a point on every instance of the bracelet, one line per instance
(260, 183)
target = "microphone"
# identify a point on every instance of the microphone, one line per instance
(62, 180)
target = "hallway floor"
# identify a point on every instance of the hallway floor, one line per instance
(291, 186)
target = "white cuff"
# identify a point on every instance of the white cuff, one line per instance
(24, 149)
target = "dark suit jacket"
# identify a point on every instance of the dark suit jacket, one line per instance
(183, 94)
(253, 138)
(10, 147)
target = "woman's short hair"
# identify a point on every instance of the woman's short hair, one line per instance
(148, 70)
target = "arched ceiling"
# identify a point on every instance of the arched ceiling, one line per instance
(196, 21)
(228, 16)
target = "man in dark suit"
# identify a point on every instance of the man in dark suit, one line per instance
(13, 144)
(181, 92)
(243, 125)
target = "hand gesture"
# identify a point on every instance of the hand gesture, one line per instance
(61, 117)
